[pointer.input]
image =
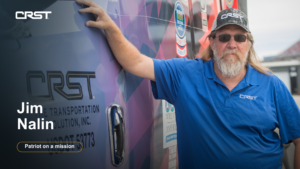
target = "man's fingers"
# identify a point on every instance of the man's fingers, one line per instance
(98, 12)
(89, 10)
(92, 24)
(86, 2)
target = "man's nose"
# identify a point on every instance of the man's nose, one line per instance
(232, 43)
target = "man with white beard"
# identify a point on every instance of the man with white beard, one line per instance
(227, 104)
(230, 68)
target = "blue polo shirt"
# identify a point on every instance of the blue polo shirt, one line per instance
(218, 128)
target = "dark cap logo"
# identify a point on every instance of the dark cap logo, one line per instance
(233, 15)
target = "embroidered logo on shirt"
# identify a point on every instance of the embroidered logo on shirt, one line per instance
(248, 97)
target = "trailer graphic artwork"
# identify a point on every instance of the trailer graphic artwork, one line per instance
(180, 30)
(226, 4)
(169, 124)
(229, 3)
(204, 15)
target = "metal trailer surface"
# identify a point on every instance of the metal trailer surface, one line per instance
(70, 70)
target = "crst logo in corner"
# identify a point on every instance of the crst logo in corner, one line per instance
(32, 15)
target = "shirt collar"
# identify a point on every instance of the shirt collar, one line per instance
(209, 69)
(251, 76)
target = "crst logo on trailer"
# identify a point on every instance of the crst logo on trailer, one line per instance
(233, 15)
(32, 15)
(58, 87)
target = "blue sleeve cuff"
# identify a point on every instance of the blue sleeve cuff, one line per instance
(154, 84)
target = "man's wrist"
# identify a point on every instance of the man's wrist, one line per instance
(112, 30)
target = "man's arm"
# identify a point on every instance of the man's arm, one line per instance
(297, 153)
(126, 54)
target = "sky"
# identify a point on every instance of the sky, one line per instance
(274, 24)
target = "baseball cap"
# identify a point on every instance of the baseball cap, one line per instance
(231, 16)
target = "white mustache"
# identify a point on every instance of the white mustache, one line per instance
(232, 52)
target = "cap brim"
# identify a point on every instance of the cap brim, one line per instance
(246, 29)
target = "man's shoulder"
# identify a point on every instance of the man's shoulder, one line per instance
(183, 64)
(270, 80)
(191, 65)
(269, 76)
(187, 61)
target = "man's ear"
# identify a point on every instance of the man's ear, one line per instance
(211, 42)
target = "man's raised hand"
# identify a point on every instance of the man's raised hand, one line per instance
(103, 21)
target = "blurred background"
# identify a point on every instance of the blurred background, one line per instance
(275, 25)
(276, 29)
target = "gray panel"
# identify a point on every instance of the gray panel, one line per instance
(243, 6)
(298, 79)
(280, 69)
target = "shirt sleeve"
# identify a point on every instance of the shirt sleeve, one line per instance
(288, 113)
(168, 75)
